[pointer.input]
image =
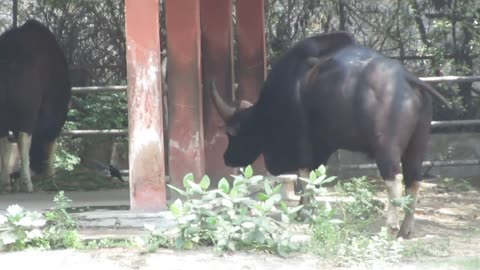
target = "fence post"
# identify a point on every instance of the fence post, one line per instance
(185, 130)
(146, 148)
(252, 55)
(217, 63)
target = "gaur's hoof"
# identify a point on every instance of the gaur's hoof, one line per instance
(26, 188)
(5, 188)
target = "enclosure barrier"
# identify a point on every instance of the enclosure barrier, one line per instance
(437, 163)
(435, 124)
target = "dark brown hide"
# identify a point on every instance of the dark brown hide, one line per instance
(352, 98)
(34, 88)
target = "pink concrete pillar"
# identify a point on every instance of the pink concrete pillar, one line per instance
(145, 125)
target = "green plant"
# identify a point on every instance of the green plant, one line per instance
(469, 263)
(363, 249)
(155, 239)
(109, 243)
(364, 206)
(21, 229)
(404, 202)
(314, 209)
(228, 218)
(457, 184)
(341, 235)
(61, 230)
(427, 247)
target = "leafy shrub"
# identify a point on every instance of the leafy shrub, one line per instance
(228, 218)
(61, 230)
(364, 205)
(21, 229)
(342, 236)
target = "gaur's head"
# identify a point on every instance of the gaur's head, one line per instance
(242, 129)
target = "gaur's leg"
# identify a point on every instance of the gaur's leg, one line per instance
(24, 143)
(50, 149)
(388, 161)
(303, 173)
(412, 170)
(5, 151)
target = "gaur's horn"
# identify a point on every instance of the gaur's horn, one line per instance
(224, 109)
(244, 104)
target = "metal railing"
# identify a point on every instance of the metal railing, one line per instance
(436, 163)
(123, 88)
(99, 89)
(435, 124)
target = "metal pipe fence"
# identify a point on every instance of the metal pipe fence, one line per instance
(435, 124)
(436, 163)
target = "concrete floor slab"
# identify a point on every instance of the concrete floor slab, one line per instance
(41, 201)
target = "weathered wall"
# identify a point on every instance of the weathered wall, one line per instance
(456, 146)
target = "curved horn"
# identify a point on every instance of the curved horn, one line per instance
(244, 104)
(224, 109)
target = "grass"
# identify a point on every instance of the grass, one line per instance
(228, 218)
(470, 263)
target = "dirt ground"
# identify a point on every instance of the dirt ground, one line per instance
(447, 237)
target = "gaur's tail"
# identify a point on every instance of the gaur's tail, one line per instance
(425, 86)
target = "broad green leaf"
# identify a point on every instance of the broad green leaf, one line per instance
(179, 243)
(177, 208)
(14, 210)
(267, 187)
(285, 218)
(187, 179)
(195, 187)
(269, 204)
(8, 237)
(277, 189)
(295, 209)
(209, 196)
(322, 169)
(276, 198)
(234, 192)
(179, 191)
(319, 180)
(34, 234)
(329, 179)
(34, 219)
(328, 206)
(282, 251)
(224, 185)
(205, 182)
(231, 245)
(227, 203)
(248, 225)
(284, 206)
(248, 172)
(255, 179)
(212, 220)
(259, 237)
(313, 175)
(262, 196)
(238, 182)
